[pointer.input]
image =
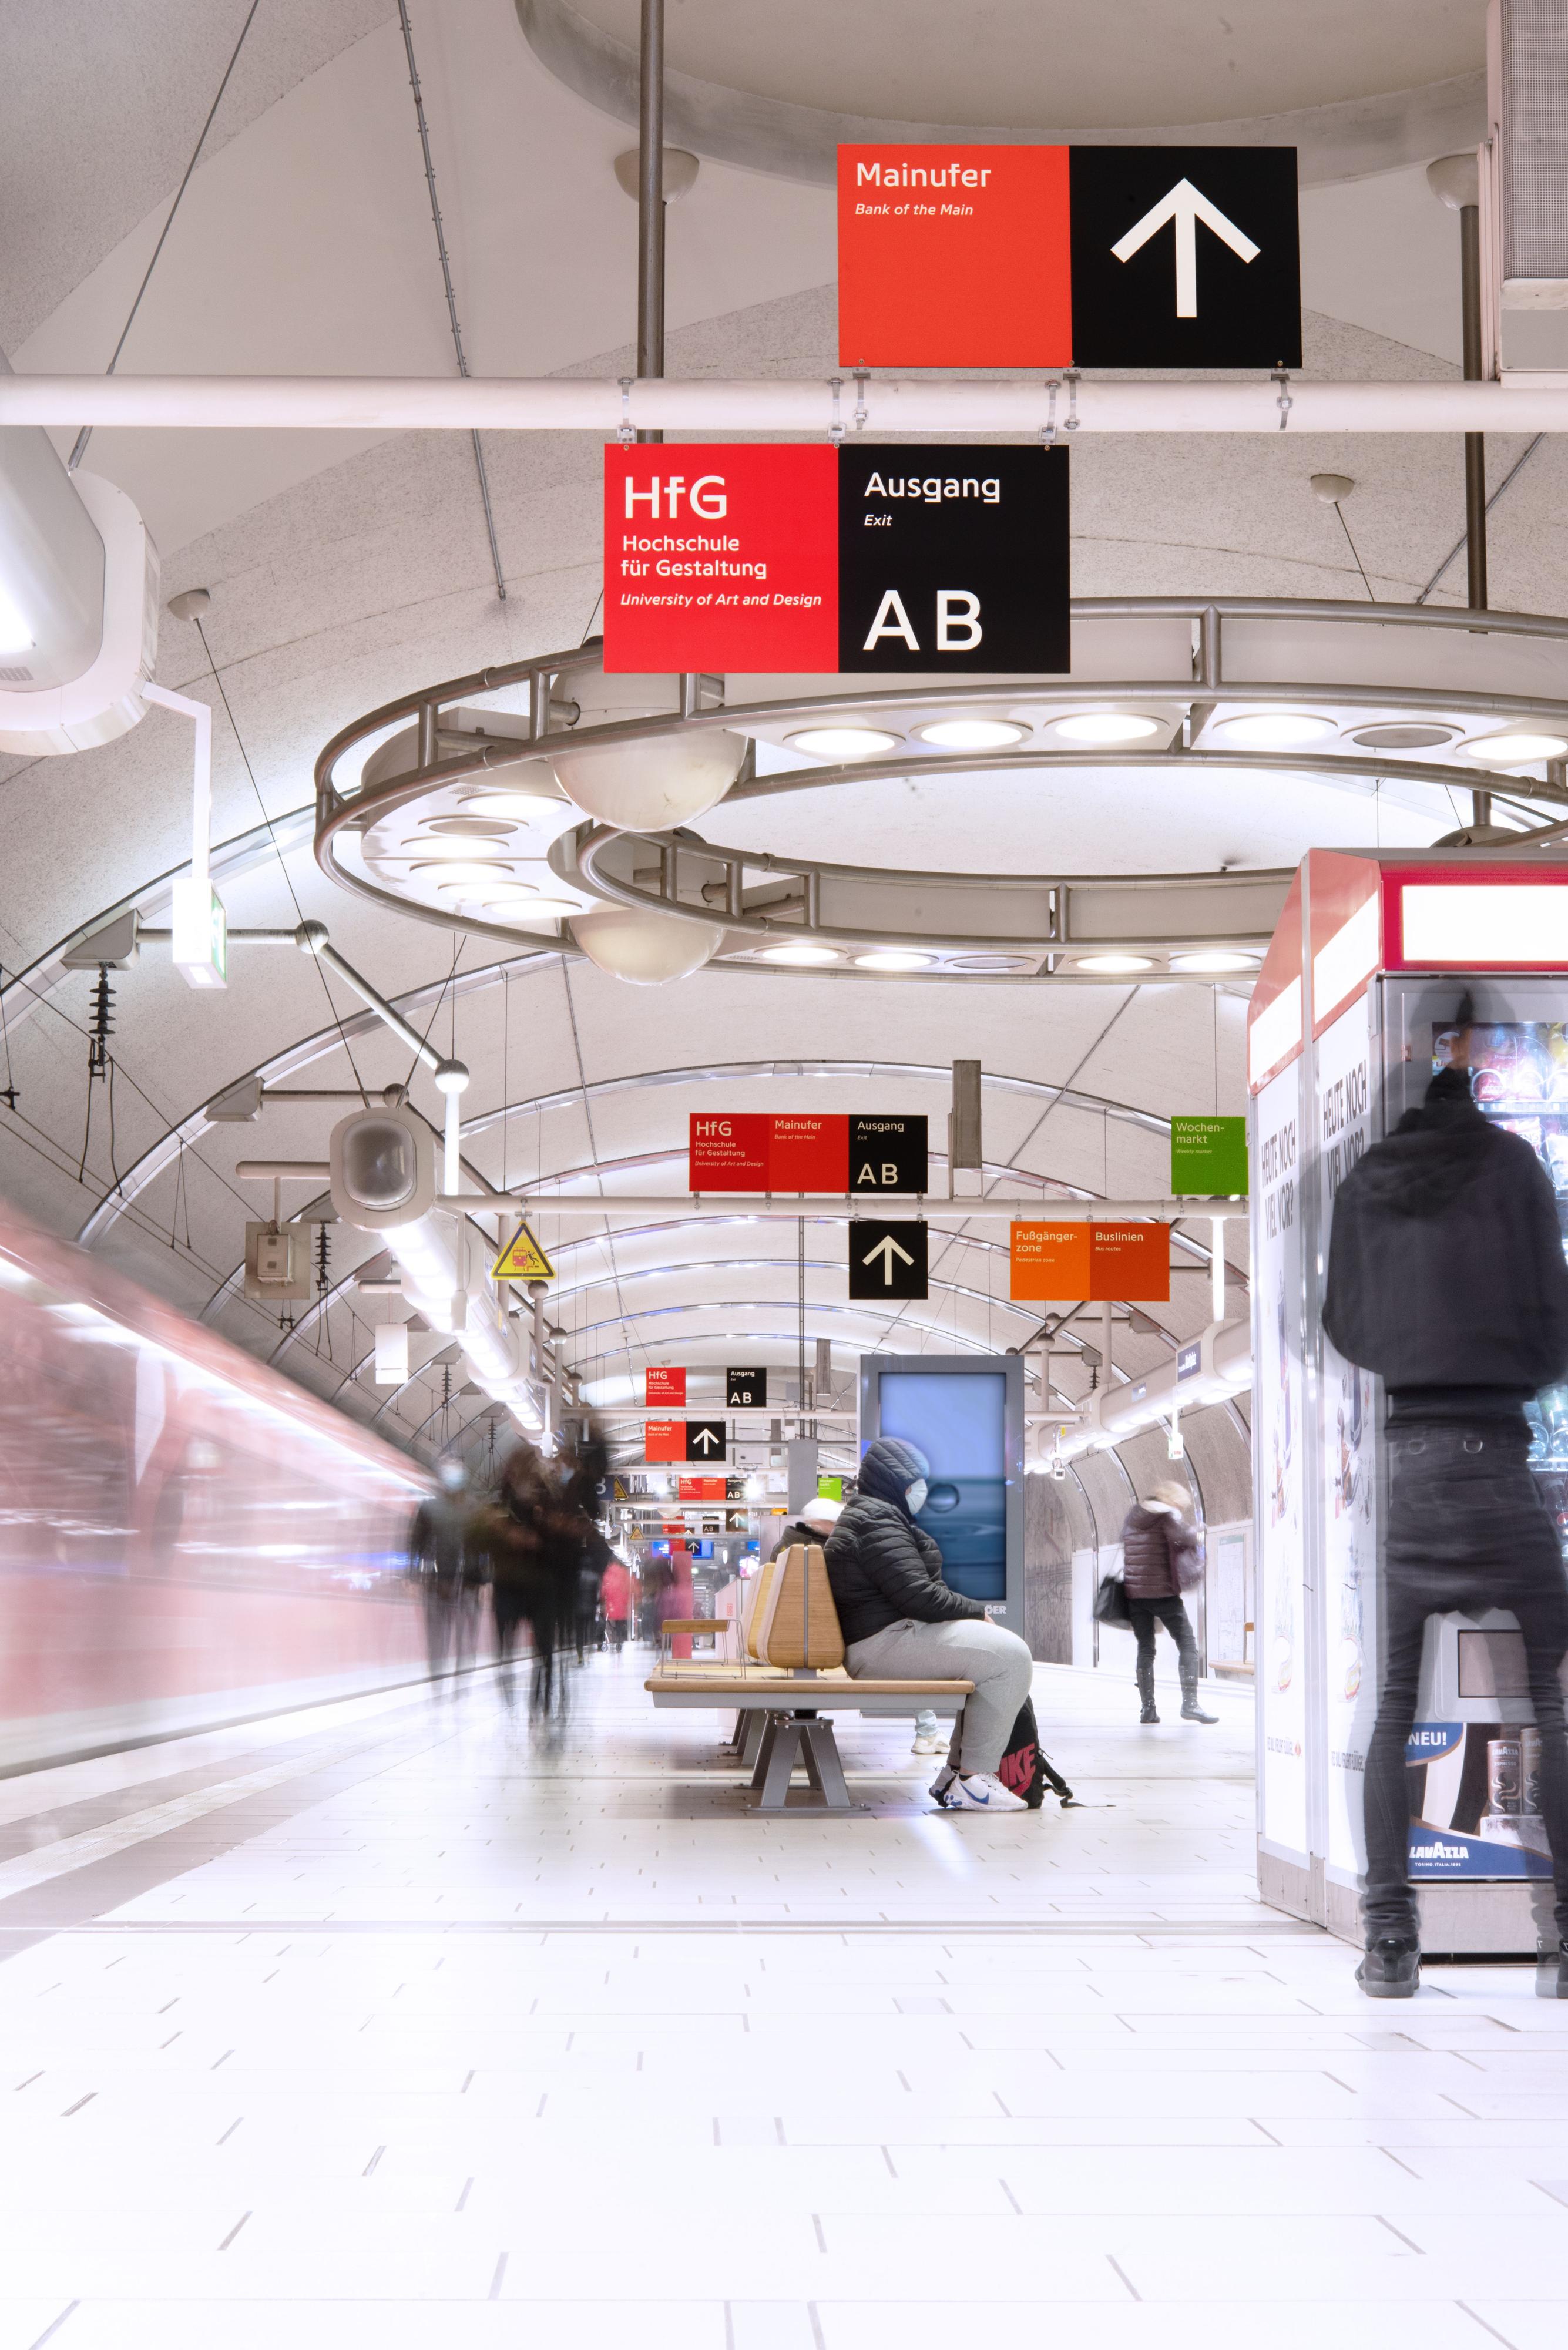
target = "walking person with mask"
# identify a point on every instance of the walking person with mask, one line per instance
(1446, 1277)
(901, 1621)
(1160, 1561)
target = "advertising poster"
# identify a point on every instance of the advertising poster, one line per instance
(1278, 1392)
(1475, 1802)
(1349, 1499)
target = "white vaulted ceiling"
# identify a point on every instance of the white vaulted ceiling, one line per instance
(344, 571)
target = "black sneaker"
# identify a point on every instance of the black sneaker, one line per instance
(1391, 1969)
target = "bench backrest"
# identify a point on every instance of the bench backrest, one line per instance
(796, 1622)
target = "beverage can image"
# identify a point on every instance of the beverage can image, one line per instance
(1504, 1775)
(1529, 1772)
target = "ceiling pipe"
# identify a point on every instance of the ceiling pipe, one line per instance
(51, 563)
(565, 404)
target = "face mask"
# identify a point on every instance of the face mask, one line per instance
(915, 1497)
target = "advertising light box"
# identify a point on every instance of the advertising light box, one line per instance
(810, 560)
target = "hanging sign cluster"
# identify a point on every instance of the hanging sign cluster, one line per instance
(661, 1384)
(701, 1441)
(1090, 1261)
(755, 1153)
(1068, 256)
(1209, 1158)
(741, 556)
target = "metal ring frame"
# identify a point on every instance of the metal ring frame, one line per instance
(712, 876)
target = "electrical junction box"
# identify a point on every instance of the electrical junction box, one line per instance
(278, 1261)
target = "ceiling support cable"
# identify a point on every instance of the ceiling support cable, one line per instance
(78, 448)
(446, 281)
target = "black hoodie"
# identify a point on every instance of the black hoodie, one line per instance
(1446, 1272)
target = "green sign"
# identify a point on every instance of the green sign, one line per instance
(1207, 1157)
(830, 1489)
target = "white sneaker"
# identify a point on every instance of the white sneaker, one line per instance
(933, 1743)
(980, 1792)
(942, 1783)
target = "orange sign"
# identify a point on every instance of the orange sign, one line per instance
(664, 1440)
(1094, 1262)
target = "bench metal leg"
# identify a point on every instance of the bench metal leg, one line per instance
(754, 1723)
(802, 1741)
(776, 1764)
(767, 1737)
(731, 1745)
(822, 1763)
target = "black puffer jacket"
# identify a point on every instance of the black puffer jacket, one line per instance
(882, 1567)
(1159, 1553)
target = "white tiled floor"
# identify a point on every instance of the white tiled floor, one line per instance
(418, 2035)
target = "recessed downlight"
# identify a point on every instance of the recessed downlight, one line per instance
(543, 909)
(1107, 727)
(1397, 734)
(1214, 958)
(800, 955)
(1114, 963)
(473, 829)
(894, 958)
(844, 742)
(1276, 730)
(512, 892)
(972, 734)
(462, 877)
(423, 846)
(523, 806)
(1517, 748)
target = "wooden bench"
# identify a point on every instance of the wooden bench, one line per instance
(784, 1703)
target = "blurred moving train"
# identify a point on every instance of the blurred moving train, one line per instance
(186, 1538)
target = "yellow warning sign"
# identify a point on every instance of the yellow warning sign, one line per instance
(522, 1260)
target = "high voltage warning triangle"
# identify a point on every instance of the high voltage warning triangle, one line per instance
(522, 1260)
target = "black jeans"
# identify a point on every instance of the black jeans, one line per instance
(1172, 1613)
(1468, 1529)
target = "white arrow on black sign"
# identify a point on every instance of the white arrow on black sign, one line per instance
(1185, 205)
(706, 1441)
(887, 1249)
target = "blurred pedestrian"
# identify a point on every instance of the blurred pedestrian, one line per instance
(1161, 1559)
(1446, 1277)
(446, 1571)
(615, 1598)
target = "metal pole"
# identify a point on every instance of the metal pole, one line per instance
(1475, 443)
(650, 198)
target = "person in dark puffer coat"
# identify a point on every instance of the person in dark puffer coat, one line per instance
(1159, 1553)
(901, 1622)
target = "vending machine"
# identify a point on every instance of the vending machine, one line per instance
(1354, 1010)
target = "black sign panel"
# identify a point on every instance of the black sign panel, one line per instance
(745, 1390)
(1184, 256)
(704, 1440)
(888, 1154)
(954, 558)
(887, 1261)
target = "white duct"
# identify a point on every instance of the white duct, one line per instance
(445, 1280)
(51, 565)
(1223, 1368)
(552, 404)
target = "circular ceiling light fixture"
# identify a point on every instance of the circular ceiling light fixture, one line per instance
(508, 893)
(993, 964)
(802, 955)
(516, 908)
(1517, 748)
(1107, 727)
(463, 828)
(1398, 735)
(1114, 963)
(970, 733)
(522, 805)
(1277, 730)
(649, 786)
(472, 845)
(1214, 958)
(647, 949)
(844, 742)
(461, 876)
(894, 958)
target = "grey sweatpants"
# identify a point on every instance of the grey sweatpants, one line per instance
(997, 1662)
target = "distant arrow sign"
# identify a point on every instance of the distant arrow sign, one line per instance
(705, 1440)
(1185, 205)
(887, 1261)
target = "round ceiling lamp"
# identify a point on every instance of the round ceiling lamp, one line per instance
(1398, 735)
(1276, 730)
(461, 876)
(650, 785)
(844, 742)
(1517, 748)
(894, 958)
(1107, 727)
(970, 733)
(646, 950)
(544, 910)
(1114, 963)
(1215, 959)
(802, 956)
(525, 795)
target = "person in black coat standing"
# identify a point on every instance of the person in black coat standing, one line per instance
(901, 1621)
(1446, 1277)
(1160, 1560)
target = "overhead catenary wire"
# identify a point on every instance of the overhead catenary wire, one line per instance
(446, 281)
(78, 448)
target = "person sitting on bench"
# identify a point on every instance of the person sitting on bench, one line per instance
(901, 1622)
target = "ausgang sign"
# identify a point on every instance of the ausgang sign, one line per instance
(1068, 256)
(741, 557)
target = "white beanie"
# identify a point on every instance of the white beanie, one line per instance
(822, 1512)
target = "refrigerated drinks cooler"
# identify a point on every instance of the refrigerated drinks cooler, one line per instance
(1353, 1012)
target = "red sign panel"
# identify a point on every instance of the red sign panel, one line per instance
(946, 251)
(662, 1385)
(703, 1489)
(664, 1440)
(721, 555)
(809, 1154)
(729, 1154)
(1096, 1261)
